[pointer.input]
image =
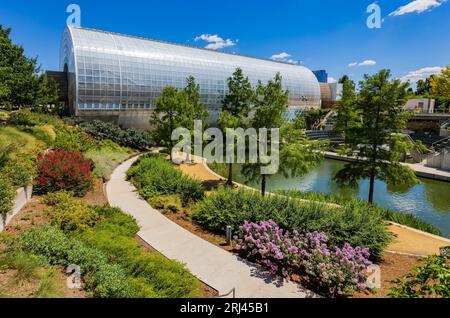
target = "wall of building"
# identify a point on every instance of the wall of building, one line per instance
(421, 105)
(439, 161)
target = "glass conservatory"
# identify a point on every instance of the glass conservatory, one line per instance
(115, 74)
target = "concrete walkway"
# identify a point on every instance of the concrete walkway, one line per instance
(214, 266)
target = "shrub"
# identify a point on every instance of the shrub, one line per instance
(25, 264)
(7, 195)
(429, 281)
(45, 133)
(103, 279)
(25, 117)
(166, 203)
(69, 213)
(151, 274)
(61, 170)
(386, 214)
(154, 176)
(20, 169)
(73, 140)
(133, 138)
(337, 272)
(350, 224)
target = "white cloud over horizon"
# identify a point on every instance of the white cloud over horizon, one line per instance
(363, 63)
(331, 80)
(215, 42)
(418, 6)
(421, 74)
(284, 57)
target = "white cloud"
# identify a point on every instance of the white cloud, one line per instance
(215, 42)
(420, 74)
(363, 63)
(280, 56)
(417, 6)
(284, 57)
(331, 79)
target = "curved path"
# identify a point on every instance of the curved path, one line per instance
(214, 266)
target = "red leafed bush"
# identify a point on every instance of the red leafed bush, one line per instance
(62, 170)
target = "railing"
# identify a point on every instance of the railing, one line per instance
(416, 154)
(231, 292)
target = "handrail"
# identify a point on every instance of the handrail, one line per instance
(233, 291)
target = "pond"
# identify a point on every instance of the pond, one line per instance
(429, 200)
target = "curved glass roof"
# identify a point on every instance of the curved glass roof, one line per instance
(111, 71)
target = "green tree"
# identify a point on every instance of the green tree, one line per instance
(347, 111)
(440, 84)
(192, 91)
(377, 141)
(21, 84)
(236, 107)
(423, 87)
(169, 113)
(270, 105)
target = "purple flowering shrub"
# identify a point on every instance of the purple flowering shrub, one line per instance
(336, 272)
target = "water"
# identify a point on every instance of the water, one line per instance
(429, 200)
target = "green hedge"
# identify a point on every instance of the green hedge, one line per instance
(351, 224)
(154, 176)
(388, 215)
(133, 138)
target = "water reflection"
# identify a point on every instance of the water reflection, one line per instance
(429, 200)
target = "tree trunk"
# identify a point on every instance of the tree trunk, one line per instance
(263, 185)
(230, 174)
(372, 187)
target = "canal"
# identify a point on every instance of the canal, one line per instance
(429, 200)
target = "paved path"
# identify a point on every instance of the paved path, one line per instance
(211, 264)
(419, 168)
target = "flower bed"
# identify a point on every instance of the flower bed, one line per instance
(332, 271)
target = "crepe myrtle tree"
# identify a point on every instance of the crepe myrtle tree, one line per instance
(376, 139)
(236, 107)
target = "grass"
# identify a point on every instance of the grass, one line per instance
(49, 285)
(106, 159)
(25, 143)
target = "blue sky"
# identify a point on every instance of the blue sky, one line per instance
(322, 34)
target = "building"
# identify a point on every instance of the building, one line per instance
(420, 105)
(117, 77)
(322, 76)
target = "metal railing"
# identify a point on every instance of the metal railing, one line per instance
(231, 292)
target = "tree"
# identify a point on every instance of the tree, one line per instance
(192, 91)
(423, 87)
(21, 82)
(270, 105)
(169, 113)
(236, 107)
(347, 112)
(440, 84)
(377, 141)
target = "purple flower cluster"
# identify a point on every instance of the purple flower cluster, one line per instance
(337, 272)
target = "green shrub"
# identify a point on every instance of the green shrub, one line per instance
(386, 214)
(45, 133)
(429, 281)
(350, 224)
(20, 169)
(154, 176)
(103, 279)
(152, 274)
(7, 195)
(25, 264)
(133, 138)
(166, 203)
(69, 213)
(25, 117)
(4, 116)
(73, 140)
